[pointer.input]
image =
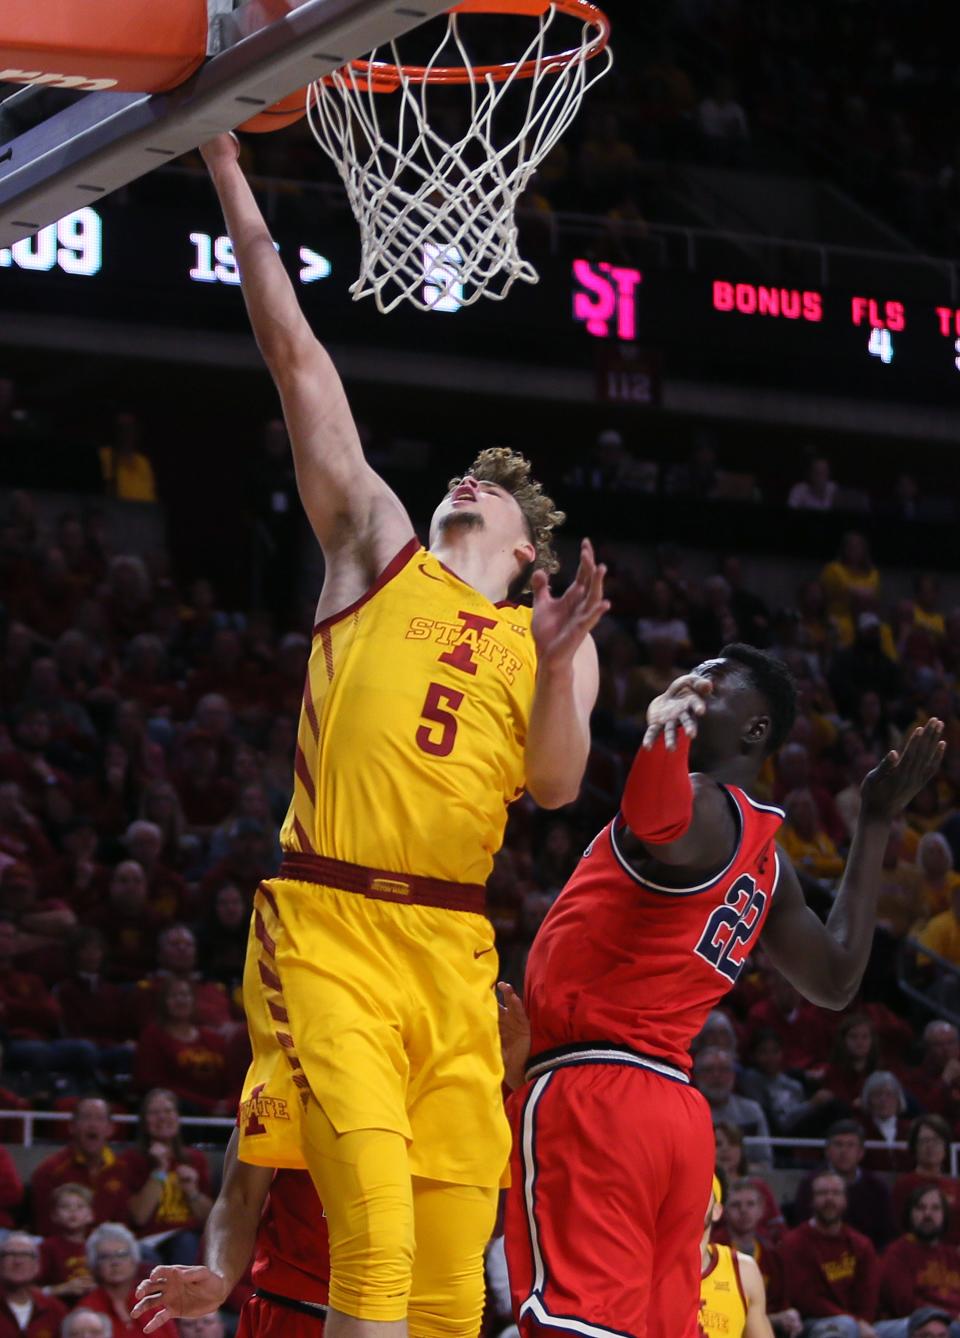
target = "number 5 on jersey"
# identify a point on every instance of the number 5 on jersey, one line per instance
(439, 708)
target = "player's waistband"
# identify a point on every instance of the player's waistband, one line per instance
(313, 1308)
(599, 1052)
(382, 885)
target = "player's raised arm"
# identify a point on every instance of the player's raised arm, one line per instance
(558, 736)
(671, 815)
(353, 512)
(826, 962)
(179, 1291)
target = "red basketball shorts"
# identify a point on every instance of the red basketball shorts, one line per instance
(610, 1184)
(261, 1318)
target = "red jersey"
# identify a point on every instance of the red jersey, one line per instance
(293, 1249)
(622, 960)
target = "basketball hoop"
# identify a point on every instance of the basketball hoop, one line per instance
(437, 213)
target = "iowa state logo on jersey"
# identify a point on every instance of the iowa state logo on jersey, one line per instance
(731, 927)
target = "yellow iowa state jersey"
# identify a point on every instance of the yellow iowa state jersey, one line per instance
(723, 1305)
(413, 728)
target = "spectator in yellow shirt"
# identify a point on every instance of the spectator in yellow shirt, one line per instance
(850, 583)
(926, 612)
(127, 473)
(900, 900)
(939, 882)
(942, 933)
(805, 841)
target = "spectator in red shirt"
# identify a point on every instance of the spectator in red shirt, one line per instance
(867, 1204)
(31, 1018)
(21, 836)
(64, 1271)
(855, 1055)
(920, 1268)
(113, 1257)
(86, 1160)
(929, 1141)
(95, 1008)
(249, 861)
(177, 960)
(831, 1270)
(223, 936)
(743, 1211)
(125, 923)
(206, 795)
(884, 1121)
(175, 1052)
(166, 890)
(170, 1183)
(936, 1083)
(161, 805)
(42, 924)
(28, 763)
(78, 877)
(799, 1025)
(11, 1188)
(25, 1311)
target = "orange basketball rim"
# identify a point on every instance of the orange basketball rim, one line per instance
(386, 78)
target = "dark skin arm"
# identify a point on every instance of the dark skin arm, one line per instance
(826, 962)
(707, 844)
(181, 1292)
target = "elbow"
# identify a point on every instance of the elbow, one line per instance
(552, 794)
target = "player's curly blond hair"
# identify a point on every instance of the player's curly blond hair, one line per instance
(511, 471)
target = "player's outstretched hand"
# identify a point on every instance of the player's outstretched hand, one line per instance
(890, 786)
(221, 149)
(681, 704)
(178, 1291)
(514, 1035)
(560, 624)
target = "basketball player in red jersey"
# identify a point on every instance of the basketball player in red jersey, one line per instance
(277, 1218)
(613, 1148)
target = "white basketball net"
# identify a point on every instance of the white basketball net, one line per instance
(436, 216)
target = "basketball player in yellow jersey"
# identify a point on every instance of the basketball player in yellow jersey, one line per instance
(432, 700)
(733, 1302)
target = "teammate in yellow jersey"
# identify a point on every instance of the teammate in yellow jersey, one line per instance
(733, 1303)
(432, 700)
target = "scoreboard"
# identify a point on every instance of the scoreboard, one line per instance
(174, 267)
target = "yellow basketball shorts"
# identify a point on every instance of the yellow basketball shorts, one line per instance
(384, 1013)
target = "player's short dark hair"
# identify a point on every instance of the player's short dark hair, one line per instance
(774, 681)
(846, 1127)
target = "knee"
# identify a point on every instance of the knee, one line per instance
(371, 1258)
(455, 1313)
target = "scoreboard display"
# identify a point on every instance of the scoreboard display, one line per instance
(171, 268)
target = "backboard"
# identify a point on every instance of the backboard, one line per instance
(258, 53)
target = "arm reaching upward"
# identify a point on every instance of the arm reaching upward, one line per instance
(826, 962)
(358, 520)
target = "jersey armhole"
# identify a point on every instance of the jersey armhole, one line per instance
(666, 890)
(740, 1287)
(392, 569)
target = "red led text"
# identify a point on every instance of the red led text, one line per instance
(878, 315)
(605, 295)
(752, 299)
(949, 321)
